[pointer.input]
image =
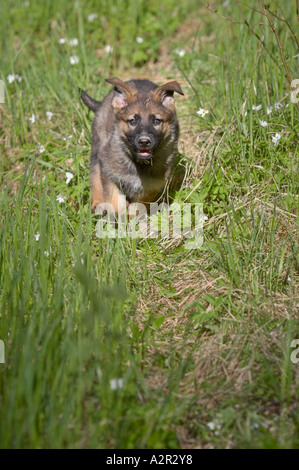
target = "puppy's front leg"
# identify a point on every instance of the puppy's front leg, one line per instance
(117, 199)
(104, 190)
(97, 196)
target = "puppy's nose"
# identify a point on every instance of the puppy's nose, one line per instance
(144, 141)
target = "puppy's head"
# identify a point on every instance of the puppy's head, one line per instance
(146, 118)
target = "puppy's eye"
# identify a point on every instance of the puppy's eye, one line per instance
(157, 121)
(132, 122)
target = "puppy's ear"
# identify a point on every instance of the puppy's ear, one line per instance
(164, 94)
(123, 93)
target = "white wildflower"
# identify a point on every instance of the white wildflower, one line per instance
(92, 17)
(46, 253)
(180, 52)
(278, 105)
(116, 383)
(37, 235)
(60, 198)
(49, 115)
(211, 426)
(275, 138)
(74, 59)
(67, 138)
(257, 108)
(41, 148)
(263, 123)
(139, 39)
(32, 118)
(215, 427)
(62, 41)
(12, 77)
(69, 176)
(73, 42)
(269, 109)
(108, 49)
(202, 112)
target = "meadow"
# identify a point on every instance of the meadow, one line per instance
(144, 343)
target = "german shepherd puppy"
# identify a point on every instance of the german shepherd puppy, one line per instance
(134, 141)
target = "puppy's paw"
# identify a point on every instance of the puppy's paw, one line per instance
(97, 209)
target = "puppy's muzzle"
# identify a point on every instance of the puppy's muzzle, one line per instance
(144, 145)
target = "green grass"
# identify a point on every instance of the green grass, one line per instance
(121, 343)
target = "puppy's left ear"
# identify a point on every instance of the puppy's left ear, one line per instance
(164, 94)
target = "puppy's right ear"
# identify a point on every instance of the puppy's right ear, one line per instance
(123, 93)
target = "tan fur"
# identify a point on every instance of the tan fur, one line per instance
(96, 188)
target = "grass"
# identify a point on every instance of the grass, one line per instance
(121, 343)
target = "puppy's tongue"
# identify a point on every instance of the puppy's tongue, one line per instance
(144, 154)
